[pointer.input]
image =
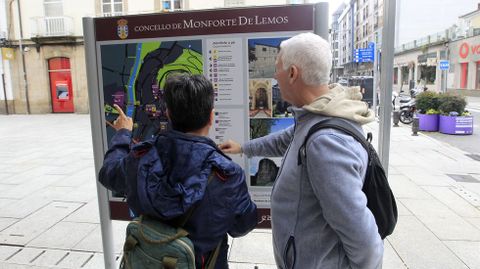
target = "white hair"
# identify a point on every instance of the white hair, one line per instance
(311, 54)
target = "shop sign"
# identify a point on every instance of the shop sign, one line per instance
(466, 49)
(8, 54)
(424, 58)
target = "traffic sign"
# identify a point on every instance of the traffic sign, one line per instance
(364, 55)
(444, 65)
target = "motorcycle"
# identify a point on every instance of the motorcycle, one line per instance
(407, 104)
(407, 111)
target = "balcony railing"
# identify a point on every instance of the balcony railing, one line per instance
(424, 41)
(52, 26)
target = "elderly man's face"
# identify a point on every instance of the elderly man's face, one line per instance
(282, 78)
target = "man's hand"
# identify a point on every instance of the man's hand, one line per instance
(231, 147)
(122, 121)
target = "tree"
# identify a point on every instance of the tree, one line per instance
(260, 127)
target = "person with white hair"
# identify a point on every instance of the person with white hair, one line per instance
(319, 213)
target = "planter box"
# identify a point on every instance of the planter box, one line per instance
(428, 123)
(456, 125)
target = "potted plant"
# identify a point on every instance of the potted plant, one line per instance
(427, 111)
(454, 119)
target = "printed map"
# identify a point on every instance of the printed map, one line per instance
(134, 76)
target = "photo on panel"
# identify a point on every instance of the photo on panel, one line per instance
(262, 53)
(279, 106)
(260, 98)
(263, 170)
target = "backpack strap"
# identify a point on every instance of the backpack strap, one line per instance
(338, 124)
(213, 259)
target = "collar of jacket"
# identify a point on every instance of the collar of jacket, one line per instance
(194, 138)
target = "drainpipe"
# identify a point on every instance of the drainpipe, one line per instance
(23, 57)
(4, 35)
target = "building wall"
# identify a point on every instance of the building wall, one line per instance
(266, 2)
(33, 9)
(195, 4)
(143, 6)
(264, 65)
(470, 55)
(77, 10)
(29, 9)
(475, 22)
(345, 36)
(410, 60)
(210, 4)
(38, 78)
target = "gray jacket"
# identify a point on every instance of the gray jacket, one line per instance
(319, 213)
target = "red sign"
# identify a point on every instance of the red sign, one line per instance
(466, 49)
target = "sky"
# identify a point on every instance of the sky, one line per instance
(422, 18)
(281, 124)
(332, 7)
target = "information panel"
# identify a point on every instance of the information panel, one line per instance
(234, 48)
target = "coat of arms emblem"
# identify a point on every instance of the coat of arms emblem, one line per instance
(122, 28)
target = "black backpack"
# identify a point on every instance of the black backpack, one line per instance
(380, 199)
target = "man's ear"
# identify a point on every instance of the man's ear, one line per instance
(293, 73)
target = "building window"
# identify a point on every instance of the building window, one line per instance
(405, 75)
(395, 75)
(112, 7)
(464, 75)
(428, 74)
(478, 76)
(53, 8)
(171, 5)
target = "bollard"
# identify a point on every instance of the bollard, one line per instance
(415, 125)
(396, 118)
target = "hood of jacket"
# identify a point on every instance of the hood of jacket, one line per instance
(173, 175)
(343, 102)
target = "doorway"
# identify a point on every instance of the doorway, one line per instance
(61, 85)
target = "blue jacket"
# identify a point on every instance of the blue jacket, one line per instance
(164, 177)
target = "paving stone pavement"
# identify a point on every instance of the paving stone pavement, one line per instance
(49, 211)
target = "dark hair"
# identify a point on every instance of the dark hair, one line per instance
(189, 101)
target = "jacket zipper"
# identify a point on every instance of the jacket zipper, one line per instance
(290, 243)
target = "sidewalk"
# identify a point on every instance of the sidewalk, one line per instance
(49, 212)
(473, 104)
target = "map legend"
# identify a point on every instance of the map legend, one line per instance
(225, 70)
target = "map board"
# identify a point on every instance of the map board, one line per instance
(234, 48)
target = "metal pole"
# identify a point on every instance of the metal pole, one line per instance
(447, 57)
(97, 139)
(4, 91)
(4, 85)
(375, 65)
(321, 19)
(375, 76)
(444, 81)
(23, 57)
(388, 39)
